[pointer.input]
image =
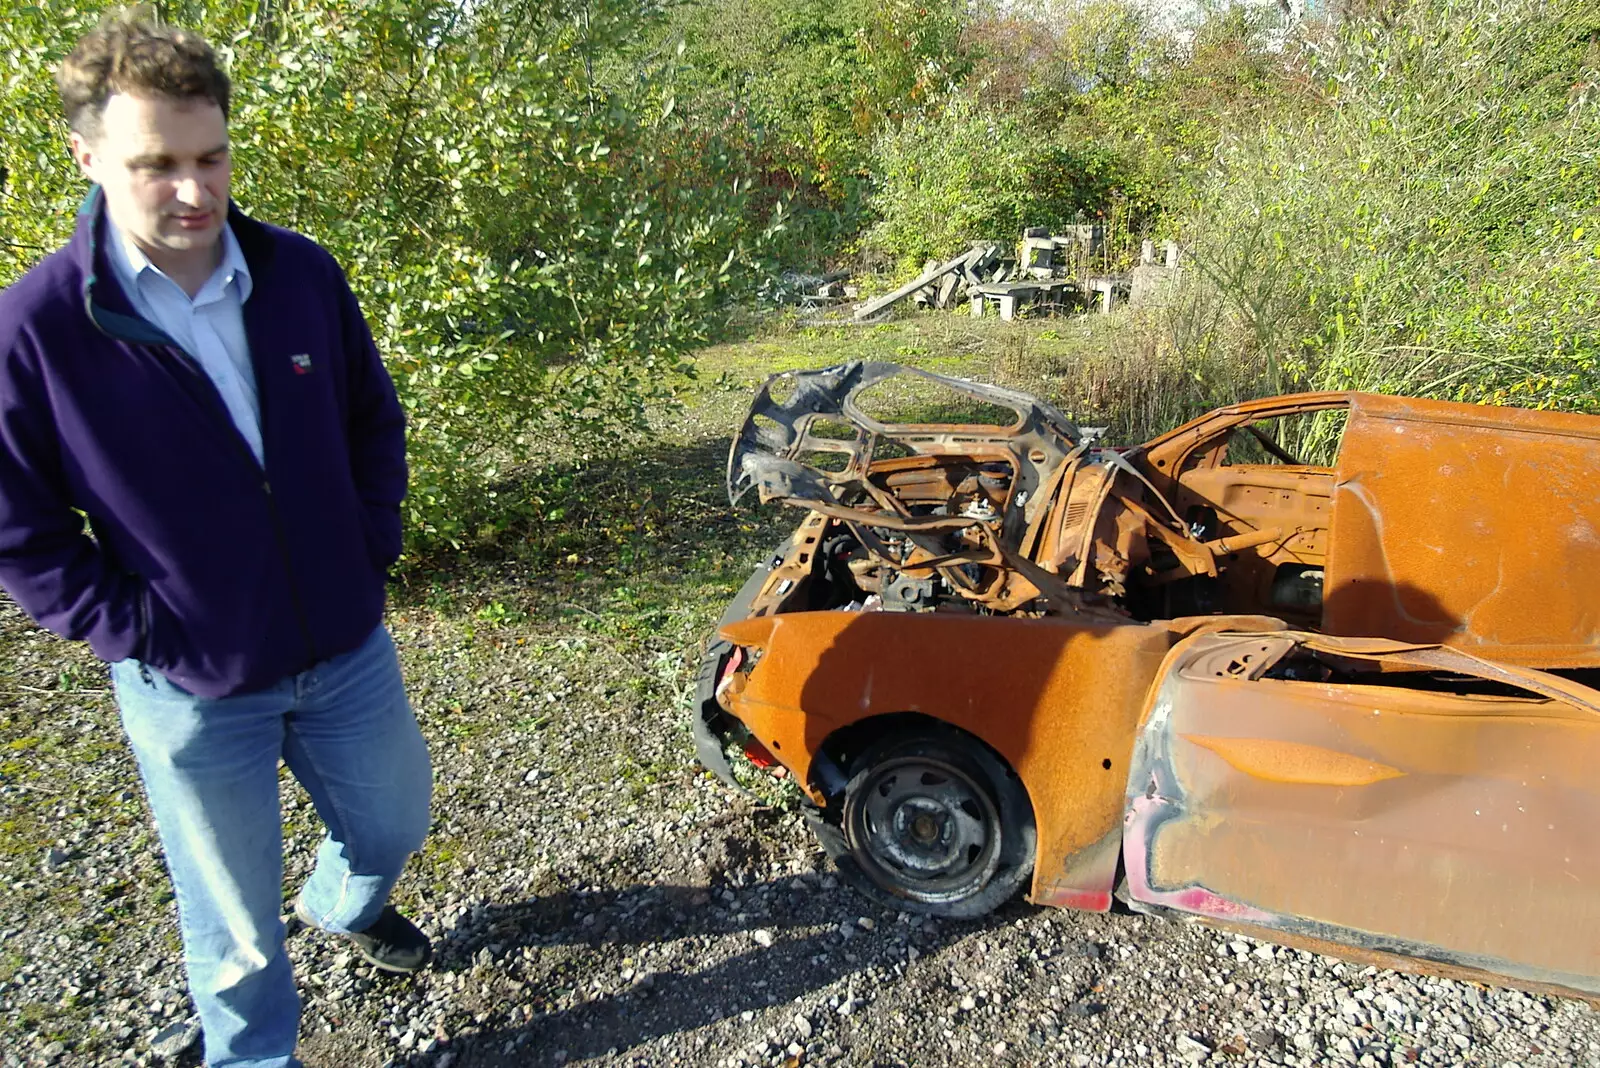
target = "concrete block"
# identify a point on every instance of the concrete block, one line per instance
(1152, 286)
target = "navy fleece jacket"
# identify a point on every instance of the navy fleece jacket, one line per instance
(222, 573)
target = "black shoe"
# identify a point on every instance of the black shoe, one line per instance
(392, 943)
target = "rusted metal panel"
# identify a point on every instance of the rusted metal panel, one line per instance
(1459, 827)
(1285, 513)
(1058, 700)
(1468, 525)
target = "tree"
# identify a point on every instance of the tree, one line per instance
(812, 82)
(536, 252)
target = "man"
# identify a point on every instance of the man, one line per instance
(203, 389)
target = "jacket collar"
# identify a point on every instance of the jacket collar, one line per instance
(104, 301)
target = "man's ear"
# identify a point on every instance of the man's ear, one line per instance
(83, 154)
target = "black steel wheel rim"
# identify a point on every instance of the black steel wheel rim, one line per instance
(924, 828)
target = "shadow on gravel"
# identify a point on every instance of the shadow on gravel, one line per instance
(800, 959)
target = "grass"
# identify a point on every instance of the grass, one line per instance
(949, 343)
(1085, 364)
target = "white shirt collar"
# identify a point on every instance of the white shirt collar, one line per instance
(130, 264)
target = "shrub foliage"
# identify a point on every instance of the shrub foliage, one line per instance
(537, 250)
(1432, 226)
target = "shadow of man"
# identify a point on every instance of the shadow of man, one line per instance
(575, 975)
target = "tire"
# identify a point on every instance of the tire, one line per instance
(932, 821)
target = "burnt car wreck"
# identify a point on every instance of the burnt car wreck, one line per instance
(1344, 704)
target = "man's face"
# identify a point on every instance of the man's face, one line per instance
(163, 164)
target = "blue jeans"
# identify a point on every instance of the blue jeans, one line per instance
(210, 770)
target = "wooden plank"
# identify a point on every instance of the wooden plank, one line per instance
(872, 307)
(982, 257)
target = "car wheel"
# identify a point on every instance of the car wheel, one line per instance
(933, 822)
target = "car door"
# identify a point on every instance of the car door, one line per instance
(1371, 795)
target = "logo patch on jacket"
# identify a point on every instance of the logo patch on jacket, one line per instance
(302, 363)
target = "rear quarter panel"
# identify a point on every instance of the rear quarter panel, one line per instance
(1059, 701)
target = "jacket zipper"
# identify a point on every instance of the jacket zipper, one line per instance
(288, 566)
(218, 408)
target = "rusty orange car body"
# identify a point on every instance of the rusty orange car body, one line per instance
(1344, 705)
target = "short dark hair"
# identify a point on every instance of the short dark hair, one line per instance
(130, 53)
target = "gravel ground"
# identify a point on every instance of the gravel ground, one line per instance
(596, 898)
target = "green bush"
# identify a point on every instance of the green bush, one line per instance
(1092, 112)
(1114, 82)
(537, 251)
(966, 173)
(1433, 226)
(805, 85)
